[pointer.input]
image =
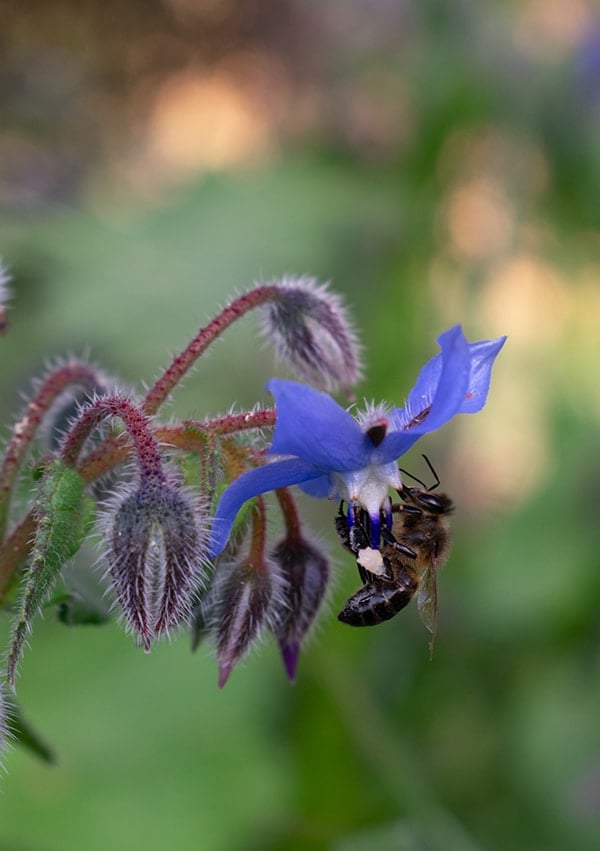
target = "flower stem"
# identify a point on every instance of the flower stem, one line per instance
(290, 514)
(258, 540)
(136, 424)
(232, 423)
(14, 551)
(68, 374)
(159, 391)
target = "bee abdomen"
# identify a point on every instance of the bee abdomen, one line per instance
(378, 601)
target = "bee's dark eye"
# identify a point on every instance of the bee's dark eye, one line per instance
(432, 502)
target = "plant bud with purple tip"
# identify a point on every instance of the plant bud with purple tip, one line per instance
(310, 329)
(305, 570)
(156, 554)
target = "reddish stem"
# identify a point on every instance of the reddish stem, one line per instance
(24, 431)
(137, 425)
(256, 555)
(157, 394)
(113, 451)
(14, 550)
(238, 422)
(290, 514)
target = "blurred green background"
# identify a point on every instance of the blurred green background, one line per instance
(439, 163)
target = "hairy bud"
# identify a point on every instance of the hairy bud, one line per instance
(312, 333)
(247, 599)
(305, 571)
(155, 558)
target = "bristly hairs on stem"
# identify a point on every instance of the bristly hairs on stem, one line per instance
(4, 728)
(60, 377)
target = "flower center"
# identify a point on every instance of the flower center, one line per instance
(368, 488)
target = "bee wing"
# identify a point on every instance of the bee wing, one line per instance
(427, 601)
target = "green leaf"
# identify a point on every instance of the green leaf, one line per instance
(64, 518)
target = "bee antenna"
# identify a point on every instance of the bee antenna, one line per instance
(414, 478)
(420, 481)
(434, 473)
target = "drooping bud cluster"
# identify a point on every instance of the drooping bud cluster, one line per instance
(311, 332)
(282, 592)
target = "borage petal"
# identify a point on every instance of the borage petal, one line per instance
(483, 355)
(279, 474)
(312, 426)
(320, 488)
(440, 389)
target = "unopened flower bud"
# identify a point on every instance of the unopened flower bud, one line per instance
(311, 332)
(305, 570)
(155, 558)
(248, 598)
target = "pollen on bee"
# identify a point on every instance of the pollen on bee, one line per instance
(371, 560)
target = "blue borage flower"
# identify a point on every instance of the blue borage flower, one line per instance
(329, 453)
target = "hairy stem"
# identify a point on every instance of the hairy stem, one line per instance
(159, 391)
(14, 552)
(258, 539)
(233, 423)
(138, 429)
(75, 373)
(289, 510)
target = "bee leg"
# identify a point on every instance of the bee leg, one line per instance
(389, 539)
(364, 574)
(359, 539)
(358, 534)
(350, 529)
(402, 508)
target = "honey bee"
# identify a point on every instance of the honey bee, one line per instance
(406, 563)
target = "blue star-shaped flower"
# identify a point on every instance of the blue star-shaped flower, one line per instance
(324, 449)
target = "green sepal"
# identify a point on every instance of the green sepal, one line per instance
(202, 462)
(64, 517)
(22, 733)
(76, 609)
